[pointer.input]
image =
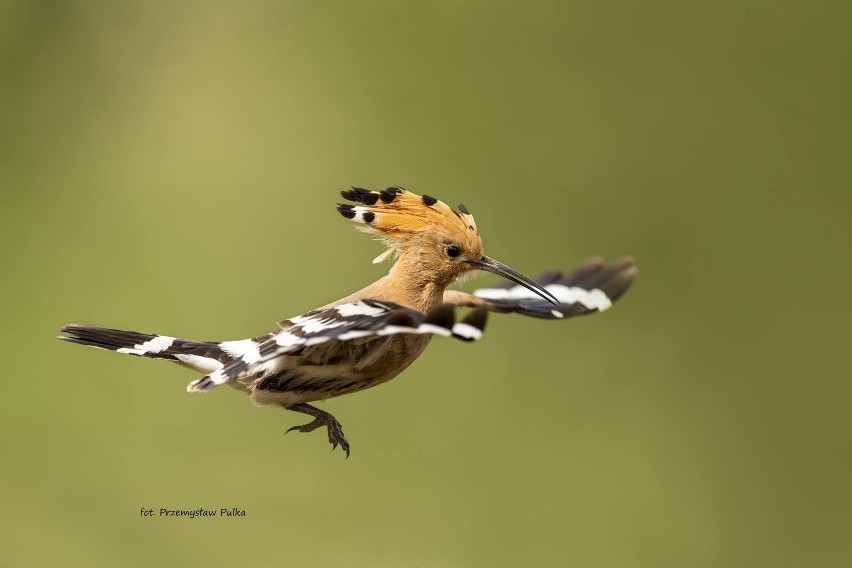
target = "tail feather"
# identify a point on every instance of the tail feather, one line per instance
(199, 355)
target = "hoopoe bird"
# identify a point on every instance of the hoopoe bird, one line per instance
(371, 336)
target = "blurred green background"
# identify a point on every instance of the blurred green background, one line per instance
(173, 167)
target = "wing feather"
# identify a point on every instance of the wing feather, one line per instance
(349, 322)
(591, 287)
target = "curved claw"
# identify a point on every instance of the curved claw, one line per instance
(335, 430)
(344, 445)
(337, 438)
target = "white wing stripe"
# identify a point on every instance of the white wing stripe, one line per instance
(287, 339)
(156, 345)
(247, 349)
(592, 299)
(433, 329)
(467, 331)
(199, 363)
(358, 309)
(354, 334)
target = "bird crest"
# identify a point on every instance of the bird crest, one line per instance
(399, 217)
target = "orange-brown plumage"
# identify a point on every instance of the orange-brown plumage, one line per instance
(402, 215)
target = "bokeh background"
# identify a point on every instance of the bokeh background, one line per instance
(173, 167)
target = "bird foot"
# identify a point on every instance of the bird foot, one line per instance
(335, 429)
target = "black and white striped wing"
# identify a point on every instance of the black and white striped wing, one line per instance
(591, 287)
(356, 321)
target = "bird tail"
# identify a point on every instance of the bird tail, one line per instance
(199, 355)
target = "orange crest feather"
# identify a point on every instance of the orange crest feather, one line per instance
(399, 214)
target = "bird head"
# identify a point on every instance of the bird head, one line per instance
(441, 242)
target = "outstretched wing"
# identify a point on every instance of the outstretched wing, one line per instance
(354, 321)
(591, 287)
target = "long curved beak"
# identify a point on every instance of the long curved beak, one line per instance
(491, 265)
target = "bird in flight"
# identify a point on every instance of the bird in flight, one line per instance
(371, 336)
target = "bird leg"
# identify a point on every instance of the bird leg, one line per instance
(321, 418)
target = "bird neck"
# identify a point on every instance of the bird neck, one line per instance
(414, 284)
(408, 283)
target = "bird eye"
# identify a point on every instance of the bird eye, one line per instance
(453, 251)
